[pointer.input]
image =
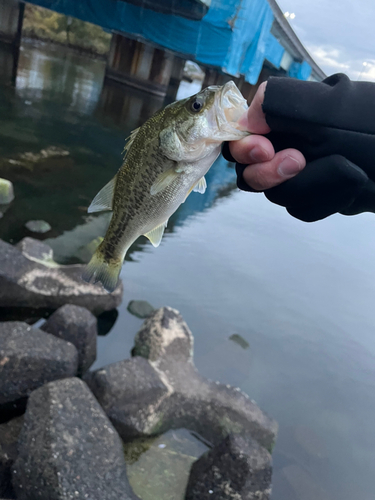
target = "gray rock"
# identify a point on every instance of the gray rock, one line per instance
(76, 325)
(237, 469)
(29, 358)
(129, 391)
(6, 192)
(38, 226)
(9, 433)
(36, 250)
(68, 448)
(140, 308)
(27, 283)
(188, 400)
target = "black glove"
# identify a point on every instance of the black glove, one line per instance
(333, 127)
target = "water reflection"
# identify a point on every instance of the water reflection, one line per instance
(61, 73)
(62, 100)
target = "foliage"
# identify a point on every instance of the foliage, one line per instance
(46, 24)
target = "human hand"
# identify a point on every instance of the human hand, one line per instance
(307, 134)
(262, 168)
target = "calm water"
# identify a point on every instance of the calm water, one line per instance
(301, 295)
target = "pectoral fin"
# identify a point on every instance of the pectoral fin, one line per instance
(156, 234)
(200, 186)
(164, 180)
(104, 199)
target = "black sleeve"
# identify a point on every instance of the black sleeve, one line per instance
(333, 124)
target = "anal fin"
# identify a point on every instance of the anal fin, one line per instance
(156, 234)
(200, 186)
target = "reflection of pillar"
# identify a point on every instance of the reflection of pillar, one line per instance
(11, 19)
(139, 65)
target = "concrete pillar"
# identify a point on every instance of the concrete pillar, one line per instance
(11, 19)
(214, 77)
(11, 16)
(175, 79)
(139, 65)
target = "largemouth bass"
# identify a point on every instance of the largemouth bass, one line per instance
(165, 159)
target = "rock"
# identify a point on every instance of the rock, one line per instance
(68, 448)
(106, 321)
(29, 358)
(76, 325)
(237, 469)
(9, 433)
(38, 226)
(25, 282)
(36, 251)
(167, 392)
(6, 192)
(129, 391)
(140, 308)
(238, 339)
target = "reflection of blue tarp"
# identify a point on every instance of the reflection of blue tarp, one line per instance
(234, 35)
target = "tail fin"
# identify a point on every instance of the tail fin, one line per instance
(100, 270)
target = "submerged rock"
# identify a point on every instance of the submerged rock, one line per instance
(237, 469)
(85, 252)
(68, 448)
(76, 325)
(38, 226)
(158, 468)
(238, 339)
(145, 398)
(28, 282)
(9, 433)
(140, 308)
(6, 192)
(29, 358)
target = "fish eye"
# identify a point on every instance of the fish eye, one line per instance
(196, 105)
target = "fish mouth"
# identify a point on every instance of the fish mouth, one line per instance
(231, 105)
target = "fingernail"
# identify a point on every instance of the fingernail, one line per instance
(289, 167)
(258, 154)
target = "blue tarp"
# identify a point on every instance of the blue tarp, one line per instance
(274, 51)
(234, 35)
(300, 70)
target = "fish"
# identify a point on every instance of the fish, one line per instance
(164, 161)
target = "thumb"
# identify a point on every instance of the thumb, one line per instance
(254, 120)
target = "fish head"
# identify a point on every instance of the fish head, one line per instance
(209, 117)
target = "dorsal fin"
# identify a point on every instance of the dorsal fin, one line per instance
(104, 199)
(130, 139)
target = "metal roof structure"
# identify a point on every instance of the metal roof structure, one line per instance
(284, 33)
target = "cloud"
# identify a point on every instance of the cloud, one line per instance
(329, 58)
(337, 34)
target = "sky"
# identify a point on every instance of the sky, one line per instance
(338, 34)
